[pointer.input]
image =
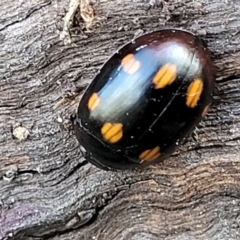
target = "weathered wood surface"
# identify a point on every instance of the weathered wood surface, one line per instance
(47, 191)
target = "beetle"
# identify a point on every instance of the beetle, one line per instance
(145, 99)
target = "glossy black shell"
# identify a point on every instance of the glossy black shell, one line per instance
(145, 99)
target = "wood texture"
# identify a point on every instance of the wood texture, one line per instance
(48, 191)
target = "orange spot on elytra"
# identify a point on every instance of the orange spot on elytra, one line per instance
(194, 92)
(112, 132)
(93, 101)
(130, 64)
(150, 154)
(165, 76)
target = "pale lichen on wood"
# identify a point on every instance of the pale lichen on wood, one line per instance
(86, 12)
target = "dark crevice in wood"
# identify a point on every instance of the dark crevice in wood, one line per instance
(229, 79)
(27, 15)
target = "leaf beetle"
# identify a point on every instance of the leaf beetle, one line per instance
(145, 99)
